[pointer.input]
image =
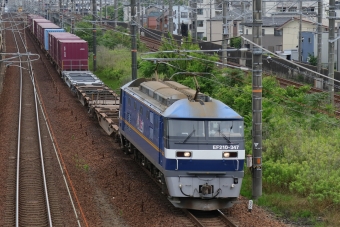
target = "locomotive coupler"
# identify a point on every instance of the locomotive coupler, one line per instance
(206, 189)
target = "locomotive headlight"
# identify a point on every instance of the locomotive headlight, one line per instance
(229, 154)
(226, 154)
(185, 154)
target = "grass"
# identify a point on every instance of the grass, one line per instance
(113, 66)
(80, 163)
(292, 207)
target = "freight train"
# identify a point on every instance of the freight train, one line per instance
(191, 143)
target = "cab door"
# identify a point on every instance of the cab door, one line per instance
(160, 142)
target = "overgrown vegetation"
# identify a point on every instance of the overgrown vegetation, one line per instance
(110, 39)
(301, 146)
(236, 42)
(113, 66)
(312, 59)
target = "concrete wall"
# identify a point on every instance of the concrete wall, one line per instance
(270, 42)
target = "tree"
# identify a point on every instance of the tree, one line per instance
(187, 61)
(312, 59)
(111, 13)
(235, 42)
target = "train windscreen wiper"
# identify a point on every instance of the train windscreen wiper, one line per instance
(226, 138)
(189, 136)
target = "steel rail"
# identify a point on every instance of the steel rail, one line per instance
(23, 40)
(193, 218)
(18, 145)
(51, 134)
(226, 219)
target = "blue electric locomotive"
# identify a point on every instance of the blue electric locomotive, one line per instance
(193, 144)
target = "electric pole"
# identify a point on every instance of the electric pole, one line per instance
(94, 18)
(101, 12)
(72, 25)
(194, 21)
(133, 40)
(225, 33)
(163, 22)
(257, 100)
(210, 28)
(331, 18)
(138, 19)
(300, 37)
(61, 8)
(179, 20)
(319, 35)
(171, 22)
(243, 53)
(116, 13)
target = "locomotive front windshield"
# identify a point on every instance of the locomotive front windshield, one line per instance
(204, 130)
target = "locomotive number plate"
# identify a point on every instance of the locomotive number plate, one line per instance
(225, 147)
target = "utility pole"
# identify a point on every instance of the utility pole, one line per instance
(331, 18)
(138, 19)
(300, 37)
(94, 18)
(171, 22)
(142, 23)
(101, 12)
(163, 22)
(194, 21)
(225, 33)
(61, 8)
(210, 28)
(319, 35)
(179, 20)
(72, 25)
(133, 40)
(243, 53)
(338, 49)
(72, 6)
(116, 13)
(195, 18)
(257, 100)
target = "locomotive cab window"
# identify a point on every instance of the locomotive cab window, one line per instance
(186, 131)
(225, 128)
(185, 128)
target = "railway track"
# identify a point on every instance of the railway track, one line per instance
(286, 83)
(209, 218)
(31, 195)
(152, 44)
(32, 198)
